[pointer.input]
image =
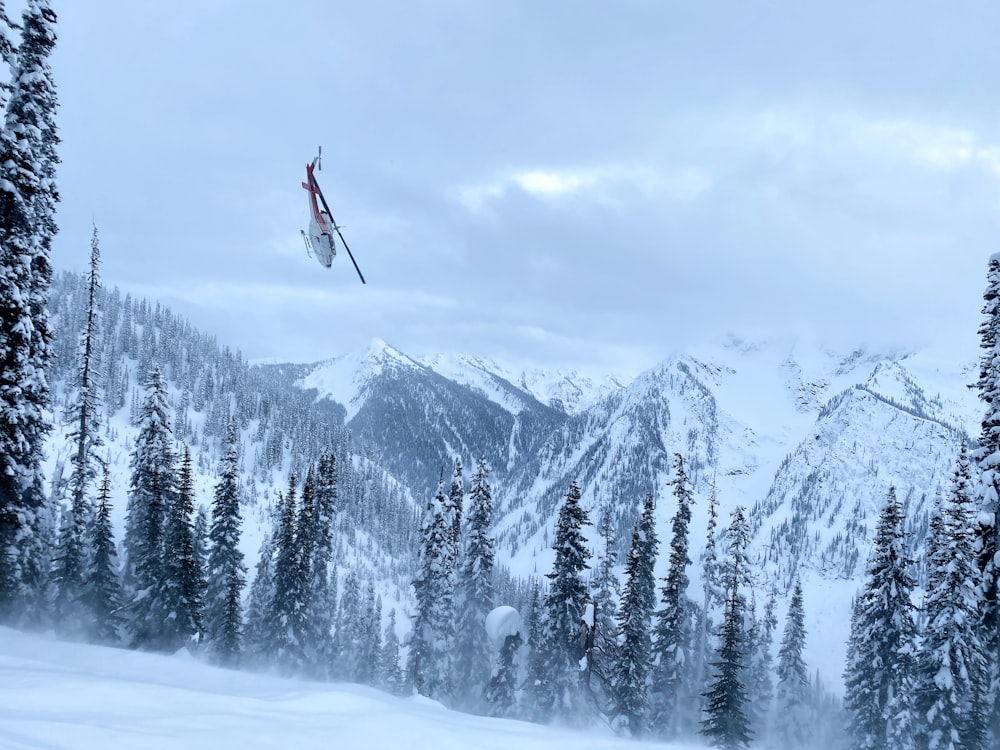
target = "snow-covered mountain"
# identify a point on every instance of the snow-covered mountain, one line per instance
(807, 439)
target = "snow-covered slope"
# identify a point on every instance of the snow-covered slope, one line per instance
(73, 697)
(568, 391)
(350, 378)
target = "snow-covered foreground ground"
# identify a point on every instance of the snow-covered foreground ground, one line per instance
(63, 695)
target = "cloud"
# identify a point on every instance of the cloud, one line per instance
(608, 184)
(935, 146)
(861, 137)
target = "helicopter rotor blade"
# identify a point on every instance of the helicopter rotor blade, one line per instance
(351, 256)
(330, 214)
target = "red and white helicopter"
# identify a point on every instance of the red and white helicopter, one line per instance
(319, 239)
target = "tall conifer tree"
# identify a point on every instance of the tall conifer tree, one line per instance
(987, 522)
(391, 677)
(792, 690)
(634, 621)
(476, 589)
(103, 586)
(672, 633)
(226, 570)
(257, 633)
(726, 722)
(432, 637)
(559, 695)
(28, 143)
(286, 613)
(183, 589)
(879, 678)
(952, 665)
(605, 594)
(152, 488)
(322, 600)
(85, 438)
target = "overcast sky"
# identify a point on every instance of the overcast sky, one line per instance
(566, 181)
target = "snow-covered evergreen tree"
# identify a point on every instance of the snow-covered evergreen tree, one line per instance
(28, 142)
(257, 631)
(952, 665)
(634, 658)
(726, 723)
(322, 600)
(226, 570)
(390, 675)
(350, 635)
(103, 593)
(313, 662)
(454, 506)
(432, 638)
(560, 695)
(605, 591)
(535, 689)
(201, 549)
(475, 596)
(72, 558)
(183, 585)
(369, 623)
(760, 684)
(792, 689)
(152, 488)
(880, 669)
(987, 457)
(286, 615)
(713, 593)
(672, 634)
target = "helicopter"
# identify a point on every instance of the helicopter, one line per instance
(319, 239)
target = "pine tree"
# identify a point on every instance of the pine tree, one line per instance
(534, 695)
(634, 661)
(286, 614)
(351, 636)
(987, 523)
(200, 532)
(305, 546)
(559, 695)
(226, 570)
(454, 507)
(605, 593)
(182, 589)
(103, 594)
(432, 637)
(880, 670)
(760, 685)
(726, 723)
(28, 157)
(672, 634)
(751, 642)
(72, 560)
(391, 678)
(322, 599)
(713, 594)
(792, 691)
(369, 638)
(476, 590)
(152, 488)
(952, 665)
(257, 633)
